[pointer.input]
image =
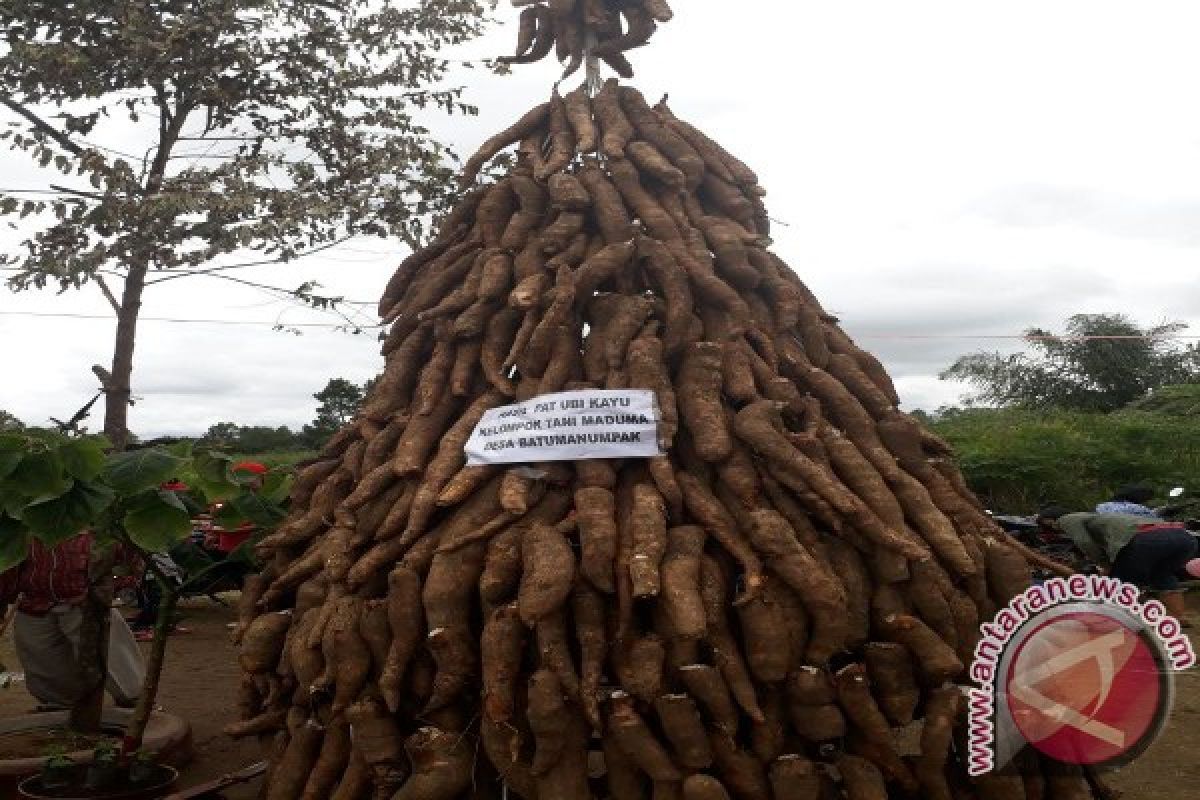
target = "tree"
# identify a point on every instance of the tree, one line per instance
(1102, 362)
(339, 401)
(9, 422)
(281, 128)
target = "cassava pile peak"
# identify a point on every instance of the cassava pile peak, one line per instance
(749, 615)
(575, 30)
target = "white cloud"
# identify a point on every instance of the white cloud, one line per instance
(944, 169)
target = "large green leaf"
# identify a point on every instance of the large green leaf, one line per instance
(39, 476)
(157, 521)
(59, 518)
(249, 507)
(212, 475)
(12, 450)
(138, 470)
(83, 458)
(14, 542)
(277, 485)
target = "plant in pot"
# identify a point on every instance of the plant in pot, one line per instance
(52, 487)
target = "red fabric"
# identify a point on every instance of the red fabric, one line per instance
(250, 466)
(53, 576)
(1161, 526)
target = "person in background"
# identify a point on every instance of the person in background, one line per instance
(49, 588)
(1131, 548)
(1132, 500)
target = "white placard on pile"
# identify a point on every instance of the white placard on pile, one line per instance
(569, 426)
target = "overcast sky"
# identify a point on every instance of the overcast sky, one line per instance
(940, 171)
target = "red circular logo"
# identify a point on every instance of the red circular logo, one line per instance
(1086, 688)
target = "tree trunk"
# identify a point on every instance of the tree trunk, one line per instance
(87, 712)
(118, 392)
(154, 667)
(93, 632)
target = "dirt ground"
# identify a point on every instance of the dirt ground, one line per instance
(200, 684)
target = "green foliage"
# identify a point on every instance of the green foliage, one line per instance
(1078, 371)
(1177, 401)
(53, 487)
(253, 439)
(277, 127)
(339, 401)
(1017, 460)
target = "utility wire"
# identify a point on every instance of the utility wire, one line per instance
(893, 336)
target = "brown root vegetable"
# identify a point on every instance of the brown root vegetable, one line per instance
(530, 122)
(935, 659)
(588, 615)
(740, 771)
(331, 760)
(595, 509)
(293, 769)
(708, 511)
(703, 787)
(554, 650)
(823, 596)
(699, 394)
(1007, 572)
(681, 580)
(608, 207)
(253, 588)
(548, 718)
(615, 128)
(501, 646)
(638, 663)
(941, 711)
(649, 524)
(568, 778)
(441, 763)
(639, 744)
(681, 723)
(794, 777)
(725, 651)
(262, 643)
(861, 779)
(547, 571)
(407, 626)
(815, 716)
(894, 687)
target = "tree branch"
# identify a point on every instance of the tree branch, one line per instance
(108, 295)
(42, 126)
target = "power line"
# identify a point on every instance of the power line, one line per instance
(109, 318)
(894, 336)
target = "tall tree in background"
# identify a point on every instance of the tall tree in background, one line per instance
(276, 127)
(9, 421)
(280, 127)
(1076, 370)
(339, 401)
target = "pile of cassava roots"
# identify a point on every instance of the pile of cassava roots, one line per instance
(754, 614)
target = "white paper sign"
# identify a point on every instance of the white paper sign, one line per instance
(569, 426)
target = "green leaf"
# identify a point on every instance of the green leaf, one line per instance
(138, 470)
(183, 448)
(249, 507)
(212, 475)
(60, 518)
(39, 476)
(277, 485)
(83, 458)
(12, 450)
(14, 542)
(157, 521)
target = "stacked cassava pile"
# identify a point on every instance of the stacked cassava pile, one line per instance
(751, 615)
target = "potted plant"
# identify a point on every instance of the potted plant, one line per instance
(53, 486)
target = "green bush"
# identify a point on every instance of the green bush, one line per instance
(1016, 460)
